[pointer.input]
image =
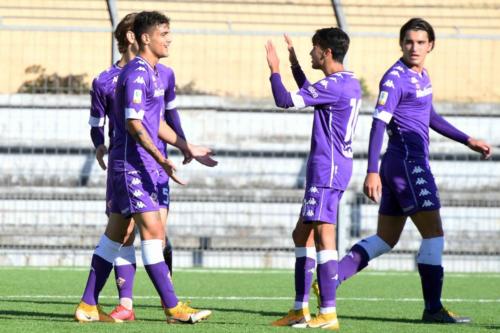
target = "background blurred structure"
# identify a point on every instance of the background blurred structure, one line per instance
(241, 213)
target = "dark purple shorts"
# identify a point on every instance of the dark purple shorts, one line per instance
(163, 189)
(408, 187)
(321, 204)
(133, 191)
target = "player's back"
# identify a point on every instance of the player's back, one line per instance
(335, 119)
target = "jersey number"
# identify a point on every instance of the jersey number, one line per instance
(351, 127)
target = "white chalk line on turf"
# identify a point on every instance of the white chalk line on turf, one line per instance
(257, 298)
(258, 271)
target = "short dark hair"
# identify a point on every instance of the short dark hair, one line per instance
(334, 39)
(144, 21)
(417, 23)
(121, 31)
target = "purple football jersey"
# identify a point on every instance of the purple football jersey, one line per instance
(102, 98)
(405, 103)
(139, 95)
(336, 100)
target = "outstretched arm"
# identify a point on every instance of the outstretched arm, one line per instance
(441, 126)
(298, 74)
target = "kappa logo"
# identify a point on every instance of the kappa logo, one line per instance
(310, 213)
(141, 62)
(336, 277)
(138, 193)
(395, 73)
(389, 84)
(115, 79)
(399, 68)
(427, 203)
(338, 75)
(420, 181)
(413, 80)
(313, 189)
(312, 202)
(136, 181)
(324, 83)
(417, 170)
(334, 79)
(424, 192)
(140, 205)
(139, 80)
(140, 69)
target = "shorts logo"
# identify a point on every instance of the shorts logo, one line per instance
(420, 181)
(417, 169)
(427, 203)
(138, 193)
(137, 96)
(136, 181)
(312, 202)
(389, 84)
(382, 99)
(310, 213)
(140, 205)
(424, 192)
(313, 189)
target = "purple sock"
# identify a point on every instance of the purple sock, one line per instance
(431, 277)
(304, 270)
(327, 273)
(99, 273)
(352, 262)
(125, 275)
(158, 273)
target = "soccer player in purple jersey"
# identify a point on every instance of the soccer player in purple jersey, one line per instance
(336, 100)
(134, 162)
(102, 98)
(405, 184)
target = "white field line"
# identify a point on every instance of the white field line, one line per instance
(257, 271)
(256, 298)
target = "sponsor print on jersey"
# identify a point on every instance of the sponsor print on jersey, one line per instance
(313, 91)
(382, 99)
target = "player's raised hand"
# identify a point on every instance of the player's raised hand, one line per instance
(99, 155)
(291, 51)
(481, 147)
(170, 169)
(201, 154)
(272, 57)
(373, 187)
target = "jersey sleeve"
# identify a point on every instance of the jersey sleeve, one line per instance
(170, 97)
(98, 104)
(388, 98)
(171, 114)
(325, 91)
(135, 93)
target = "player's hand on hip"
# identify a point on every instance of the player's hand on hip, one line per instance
(291, 51)
(373, 187)
(272, 57)
(170, 169)
(481, 147)
(99, 155)
(202, 154)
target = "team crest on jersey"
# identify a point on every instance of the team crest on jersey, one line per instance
(389, 84)
(139, 80)
(395, 73)
(382, 99)
(137, 96)
(324, 83)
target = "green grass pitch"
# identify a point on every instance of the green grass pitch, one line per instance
(43, 300)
